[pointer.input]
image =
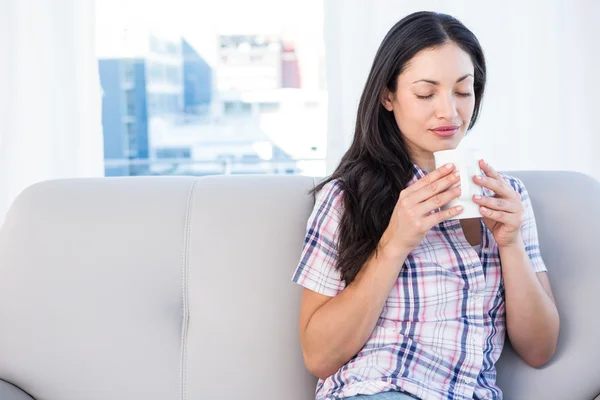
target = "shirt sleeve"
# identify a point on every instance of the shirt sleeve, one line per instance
(317, 267)
(529, 228)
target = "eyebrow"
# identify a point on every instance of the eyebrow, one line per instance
(437, 83)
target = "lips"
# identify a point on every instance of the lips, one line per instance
(446, 131)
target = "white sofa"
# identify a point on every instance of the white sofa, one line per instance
(168, 288)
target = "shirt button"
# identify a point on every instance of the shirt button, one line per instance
(486, 251)
(467, 381)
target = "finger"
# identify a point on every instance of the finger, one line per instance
(506, 218)
(437, 201)
(488, 170)
(434, 188)
(498, 186)
(497, 203)
(433, 176)
(442, 215)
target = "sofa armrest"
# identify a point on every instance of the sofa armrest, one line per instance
(11, 392)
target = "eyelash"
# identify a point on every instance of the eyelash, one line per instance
(430, 96)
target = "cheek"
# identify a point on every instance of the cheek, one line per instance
(414, 111)
(466, 109)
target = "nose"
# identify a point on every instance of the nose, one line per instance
(446, 108)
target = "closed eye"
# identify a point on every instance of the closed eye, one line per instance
(431, 95)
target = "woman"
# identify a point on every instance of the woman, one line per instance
(399, 301)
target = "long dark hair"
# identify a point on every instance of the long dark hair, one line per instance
(377, 166)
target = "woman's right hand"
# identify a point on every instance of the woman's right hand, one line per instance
(412, 217)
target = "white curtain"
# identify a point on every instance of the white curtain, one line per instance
(540, 110)
(50, 96)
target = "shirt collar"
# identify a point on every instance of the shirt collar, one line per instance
(418, 173)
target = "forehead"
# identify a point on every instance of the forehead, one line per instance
(446, 64)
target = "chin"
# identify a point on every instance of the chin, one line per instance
(448, 143)
(444, 145)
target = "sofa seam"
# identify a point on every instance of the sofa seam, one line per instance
(185, 294)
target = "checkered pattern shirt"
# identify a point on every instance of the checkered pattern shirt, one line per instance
(442, 327)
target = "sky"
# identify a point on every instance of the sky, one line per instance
(199, 21)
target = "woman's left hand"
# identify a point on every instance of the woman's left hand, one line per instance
(502, 213)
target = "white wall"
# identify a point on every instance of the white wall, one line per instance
(541, 107)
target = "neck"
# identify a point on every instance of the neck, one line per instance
(425, 161)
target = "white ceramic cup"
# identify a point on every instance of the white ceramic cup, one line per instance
(466, 161)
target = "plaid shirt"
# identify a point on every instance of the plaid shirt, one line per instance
(442, 327)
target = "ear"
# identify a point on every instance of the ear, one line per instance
(387, 99)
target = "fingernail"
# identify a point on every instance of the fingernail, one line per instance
(449, 166)
(478, 177)
(477, 197)
(460, 208)
(484, 210)
(457, 173)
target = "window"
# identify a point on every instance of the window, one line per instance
(129, 72)
(172, 48)
(130, 101)
(174, 153)
(174, 75)
(237, 108)
(131, 136)
(152, 103)
(154, 44)
(269, 107)
(216, 88)
(156, 72)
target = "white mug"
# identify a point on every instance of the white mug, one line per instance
(466, 161)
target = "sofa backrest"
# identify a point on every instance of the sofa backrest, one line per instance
(179, 288)
(567, 210)
(154, 288)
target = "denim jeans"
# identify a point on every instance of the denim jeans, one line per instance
(382, 396)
